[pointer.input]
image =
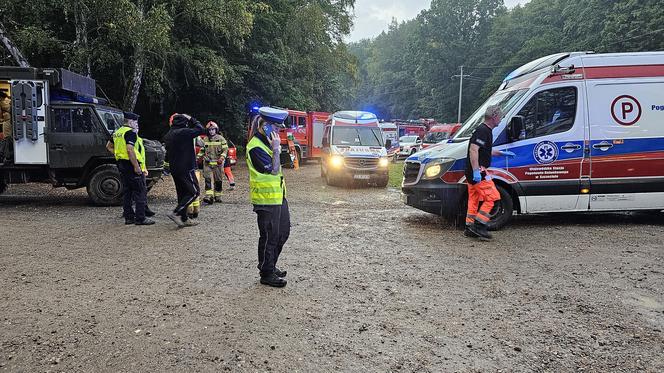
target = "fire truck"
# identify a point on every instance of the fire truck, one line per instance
(306, 131)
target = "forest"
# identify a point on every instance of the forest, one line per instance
(212, 58)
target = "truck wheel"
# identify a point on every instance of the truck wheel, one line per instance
(105, 186)
(502, 211)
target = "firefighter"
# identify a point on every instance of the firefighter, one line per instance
(268, 194)
(228, 171)
(182, 161)
(481, 187)
(214, 156)
(130, 156)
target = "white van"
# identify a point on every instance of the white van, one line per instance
(390, 132)
(353, 150)
(587, 130)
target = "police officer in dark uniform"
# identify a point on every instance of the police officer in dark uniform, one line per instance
(268, 194)
(130, 156)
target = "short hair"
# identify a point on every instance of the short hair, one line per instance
(492, 111)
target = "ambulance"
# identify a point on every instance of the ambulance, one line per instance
(587, 130)
(354, 150)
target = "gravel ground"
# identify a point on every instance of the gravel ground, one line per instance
(374, 286)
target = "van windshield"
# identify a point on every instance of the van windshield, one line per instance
(505, 99)
(435, 137)
(357, 136)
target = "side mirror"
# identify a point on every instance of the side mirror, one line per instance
(514, 128)
(388, 144)
(418, 141)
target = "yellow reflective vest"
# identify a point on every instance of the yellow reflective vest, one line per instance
(265, 189)
(120, 147)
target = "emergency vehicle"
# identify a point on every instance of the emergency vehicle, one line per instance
(55, 131)
(587, 130)
(353, 150)
(408, 128)
(439, 133)
(390, 132)
(306, 129)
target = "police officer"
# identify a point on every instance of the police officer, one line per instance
(130, 156)
(268, 194)
(182, 160)
(215, 150)
(481, 187)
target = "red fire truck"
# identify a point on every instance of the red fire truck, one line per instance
(306, 129)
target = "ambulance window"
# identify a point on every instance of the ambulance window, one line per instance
(550, 112)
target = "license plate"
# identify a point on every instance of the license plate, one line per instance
(362, 177)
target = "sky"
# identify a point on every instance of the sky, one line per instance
(373, 16)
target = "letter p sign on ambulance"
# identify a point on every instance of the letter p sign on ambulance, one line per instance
(626, 110)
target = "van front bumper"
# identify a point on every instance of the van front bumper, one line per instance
(434, 196)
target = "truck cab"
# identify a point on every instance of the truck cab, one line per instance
(353, 150)
(56, 132)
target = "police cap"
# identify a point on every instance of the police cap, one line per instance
(272, 115)
(131, 116)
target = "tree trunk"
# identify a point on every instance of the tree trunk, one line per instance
(13, 50)
(134, 87)
(136, 80)
(81, 21)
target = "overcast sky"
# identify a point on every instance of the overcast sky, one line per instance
(373, 16)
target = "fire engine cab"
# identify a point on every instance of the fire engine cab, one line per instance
(306, 131)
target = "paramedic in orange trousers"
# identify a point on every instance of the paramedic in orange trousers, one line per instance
(480, 185)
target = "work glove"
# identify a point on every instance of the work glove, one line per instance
(477, 176)
(507, 153)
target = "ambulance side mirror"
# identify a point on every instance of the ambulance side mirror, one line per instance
(515, 128)
(388, 144)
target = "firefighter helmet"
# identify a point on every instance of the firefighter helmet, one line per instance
(211, 125)
(170, 120)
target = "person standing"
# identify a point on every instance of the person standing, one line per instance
(268, 194)
(481, 187)
(215, 151)
(182, 161)
(130, 156)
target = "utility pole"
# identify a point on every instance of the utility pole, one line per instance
(460, 76)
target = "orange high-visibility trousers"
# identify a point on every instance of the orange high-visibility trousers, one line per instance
(485, 191)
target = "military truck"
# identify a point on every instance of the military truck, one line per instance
(55, 130)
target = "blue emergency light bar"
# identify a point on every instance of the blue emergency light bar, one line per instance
(62, 95)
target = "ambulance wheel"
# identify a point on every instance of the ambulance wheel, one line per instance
(105, 186)
(502, 212)
(331, 180)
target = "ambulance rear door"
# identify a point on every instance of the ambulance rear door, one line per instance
(29, 100)
(627, 141)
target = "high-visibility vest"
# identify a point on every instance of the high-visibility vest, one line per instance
(264, 189)
(120, 147)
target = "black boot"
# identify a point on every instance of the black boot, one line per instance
(273, 280)
(149, 213)
(468, 233)
(280, 273)
(481, 230)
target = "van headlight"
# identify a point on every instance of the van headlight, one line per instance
(437, 168)
(337, 161)
(383, 162)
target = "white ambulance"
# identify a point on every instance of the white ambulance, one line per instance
(587, 130)
(354, 150)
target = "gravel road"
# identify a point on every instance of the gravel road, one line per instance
(374, 286)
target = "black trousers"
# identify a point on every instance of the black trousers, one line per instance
(187, 189)
(135, 192)
(274, 227)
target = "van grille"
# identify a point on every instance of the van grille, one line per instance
(410, 172)
(362, 163)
